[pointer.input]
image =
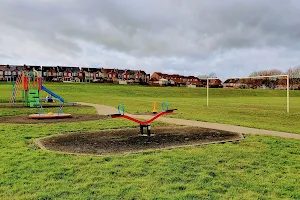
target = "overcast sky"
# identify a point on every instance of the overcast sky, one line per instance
(191, 37)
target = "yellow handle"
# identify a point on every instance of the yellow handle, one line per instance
(154, 107)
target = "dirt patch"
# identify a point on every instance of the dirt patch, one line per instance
(130, 141)
(74, 118)
(45, 105)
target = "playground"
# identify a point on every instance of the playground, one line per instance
(136, 166)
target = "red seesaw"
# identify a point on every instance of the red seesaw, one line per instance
(142, 123)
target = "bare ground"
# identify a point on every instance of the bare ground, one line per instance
(45, 105)
(74, 118)
(130, 141)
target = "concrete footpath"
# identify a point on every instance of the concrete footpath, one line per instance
(106, 110)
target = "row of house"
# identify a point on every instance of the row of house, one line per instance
(94, 74)
(127, 76)
(83, 74)
(11, 72)
(121, 76)
(261, 83)
(160, 79)
(76, 74)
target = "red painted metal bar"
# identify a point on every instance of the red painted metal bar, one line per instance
(39, 83)
(143, 122)
(25, 83)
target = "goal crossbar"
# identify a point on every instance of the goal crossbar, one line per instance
(256, 77)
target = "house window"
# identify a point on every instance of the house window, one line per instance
(44, 73)
(1, 73)
(7, 73)
(110, 75)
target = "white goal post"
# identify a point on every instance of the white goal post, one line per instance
(257, 77)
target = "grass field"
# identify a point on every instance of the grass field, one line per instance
(260, 167)
(265, 109)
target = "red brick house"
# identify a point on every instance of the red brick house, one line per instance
(213, 82)
(81, 75)
(112, 75)
(176, 79)
(140, 76)
(2, 72)
(125, 75)
(67, 74)
(158, 75)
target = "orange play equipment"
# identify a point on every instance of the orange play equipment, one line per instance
(165, 111)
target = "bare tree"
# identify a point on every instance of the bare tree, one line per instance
(210, 75)
(271, 72)
(266, 82)
(294, 75)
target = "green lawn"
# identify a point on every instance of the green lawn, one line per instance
(264, 109)
(259, 167)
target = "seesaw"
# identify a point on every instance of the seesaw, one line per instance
(143, 124)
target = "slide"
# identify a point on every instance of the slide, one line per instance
(52, 94)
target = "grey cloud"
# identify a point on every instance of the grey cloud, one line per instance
(190, 35)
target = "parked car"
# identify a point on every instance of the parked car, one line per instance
(58, 79)
(97, 80)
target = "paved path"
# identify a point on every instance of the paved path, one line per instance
(106, 110)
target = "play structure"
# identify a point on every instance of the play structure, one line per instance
(30, 84)
(143, 124)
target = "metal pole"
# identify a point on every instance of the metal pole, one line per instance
(287, 94)
(207, 86)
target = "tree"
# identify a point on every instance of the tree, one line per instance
(264, 81)
(294, 76)
(271, 72)
(210, 75)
